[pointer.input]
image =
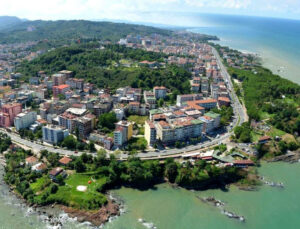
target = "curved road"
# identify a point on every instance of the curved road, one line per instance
(239, 112)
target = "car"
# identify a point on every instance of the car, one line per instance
(76, 152)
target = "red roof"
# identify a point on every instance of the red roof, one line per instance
(65, 160)
(264, 138)
(160, 88)
(225, 99)
(243, 162)
(206, 101)
(31, 159)
(63, 86)
(56, 171)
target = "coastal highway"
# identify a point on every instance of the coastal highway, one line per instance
(240, 116)
(237, 106)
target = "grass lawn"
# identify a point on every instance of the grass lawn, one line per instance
(70, 196)
(140, 120)
(275, 132)
(289, 138)
(136, 144)
(264, 115)
(255, 136)
(40, 184)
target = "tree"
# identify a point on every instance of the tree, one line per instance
(80, 166)
(171, 170)
(177, 144)
(160, 102)
(69, 142)
(53, 188)
(283, 146)
(107, 120)
(91, 146)
(60, 180)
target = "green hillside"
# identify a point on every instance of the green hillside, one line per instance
(73, 29)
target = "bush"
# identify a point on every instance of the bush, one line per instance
(53, 188)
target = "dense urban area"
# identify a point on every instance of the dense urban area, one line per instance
(80, 116)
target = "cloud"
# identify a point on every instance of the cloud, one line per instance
(140, 10)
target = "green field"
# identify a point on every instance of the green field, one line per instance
(140, 120)
(40, 184)
(70, 196)
(275, 132)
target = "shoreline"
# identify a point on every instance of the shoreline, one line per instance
(56, 216)
(275, 65)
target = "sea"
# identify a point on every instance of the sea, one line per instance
(164, 207)
(277, 42)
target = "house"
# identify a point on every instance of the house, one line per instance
(243, 163)
(55, 172)
(39, 167)
(65, 160)
(264, 139)
(31, 161)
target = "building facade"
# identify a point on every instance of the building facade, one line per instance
(24, 120)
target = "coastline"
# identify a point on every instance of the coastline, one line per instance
(56, 216)
(278, 63)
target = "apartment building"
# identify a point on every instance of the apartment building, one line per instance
(54, 134)
(25, 120)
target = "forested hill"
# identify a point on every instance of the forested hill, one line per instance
(8, 21)
(73, 29)
(110, 66)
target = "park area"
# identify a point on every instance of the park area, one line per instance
(79, 191)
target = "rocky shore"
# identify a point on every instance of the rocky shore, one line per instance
(291, 157)
(98, 217)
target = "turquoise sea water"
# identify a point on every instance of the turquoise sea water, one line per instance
(169, 208)
(275, 40)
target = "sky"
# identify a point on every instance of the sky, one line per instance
(155, 11)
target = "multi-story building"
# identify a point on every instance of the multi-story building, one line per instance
(165, 133)
(195, 87)
(181, 99)
(61, 89)
(4, 120)
(160, 92)
(150, 132)
(215, 117)
(68, 118)
(123, 132)
(134, 107)
(150, 99)
(120, 136)
(24, 120)
(84, 125)
(54, 134)
(206, 103)
(223, 101)
(178, 129)
(128, 126)
(75, 83)
(119, 113)
(8, 113)
(58, 79)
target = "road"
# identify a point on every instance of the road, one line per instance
(239, 113)
(237, 106)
